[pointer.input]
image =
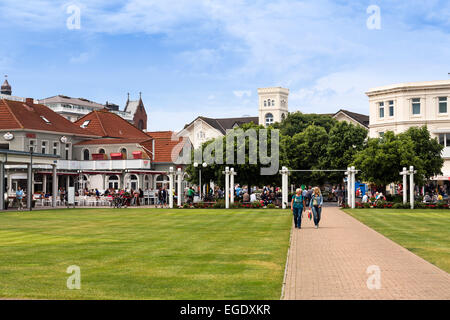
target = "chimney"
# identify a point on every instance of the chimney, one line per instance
(29, 102)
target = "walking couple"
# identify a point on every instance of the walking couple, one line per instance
(298, 205)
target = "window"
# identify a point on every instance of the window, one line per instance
(67, 151)
(269, 119)
(391, 108)
(416, 106)
(444, 139)
(113, 182)
(283, 116)
(32, 145)
(85, 124)
(273, 103)
(442, 104)
(55, 148)
(381, 134)
(45, 120)
(86, 154)
(381, 108)
(44, 147)
(124, 152)
(101, 151)
(265, 103)
(141, 124)
(268, 103)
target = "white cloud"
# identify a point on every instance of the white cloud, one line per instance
(242, 93)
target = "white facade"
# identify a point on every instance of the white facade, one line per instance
(398, 107)
(273, 105)
(199, 132)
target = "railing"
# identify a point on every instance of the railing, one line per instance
(103, 164)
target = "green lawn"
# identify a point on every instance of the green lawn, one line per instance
(144, 253)
(424, 232)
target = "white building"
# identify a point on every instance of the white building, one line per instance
(272, 107)
(400, 106)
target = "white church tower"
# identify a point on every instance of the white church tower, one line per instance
(273, 105)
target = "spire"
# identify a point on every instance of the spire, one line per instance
(6, 88)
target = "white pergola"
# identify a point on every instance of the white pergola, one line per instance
(19, 158)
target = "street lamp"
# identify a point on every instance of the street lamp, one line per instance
(204, 164)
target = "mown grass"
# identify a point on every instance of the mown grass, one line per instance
(423, 232)
(144, 253)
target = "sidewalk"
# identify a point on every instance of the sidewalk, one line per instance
(331, 263)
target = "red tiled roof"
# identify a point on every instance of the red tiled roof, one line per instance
(111, 141)
(19, 115)
(108, 124)
(164, 147)
(161, 134)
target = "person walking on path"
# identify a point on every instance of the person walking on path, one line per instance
(316, 205)
(297, 207)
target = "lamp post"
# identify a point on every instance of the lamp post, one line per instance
(204, 165)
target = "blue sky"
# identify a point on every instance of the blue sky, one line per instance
(208, 57)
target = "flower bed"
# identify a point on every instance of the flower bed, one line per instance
(396, 205)
(220, 204)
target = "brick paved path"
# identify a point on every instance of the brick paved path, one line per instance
(331, 263)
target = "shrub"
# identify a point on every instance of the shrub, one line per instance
(256, 204)
(398, 206)
(186, 206)
(235, 205)
(220, 204)
(271, 206)
(366, 205)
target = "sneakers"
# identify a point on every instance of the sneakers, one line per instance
(317, 227)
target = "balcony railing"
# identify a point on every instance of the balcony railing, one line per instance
(103, 164)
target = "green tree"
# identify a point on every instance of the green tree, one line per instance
(382, 159)
(248, 173)
(297, 122)
(345, 140)
(303, 151)
(428, 150)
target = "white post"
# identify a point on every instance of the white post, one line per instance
(232, 185)
(404, 173)
(284, 186)
(171, 172)
(55, 186)
(353, 185)
(227, 187)
(349, 181)
(179, 176)
(411, 186)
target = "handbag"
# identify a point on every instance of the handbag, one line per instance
(309, 214)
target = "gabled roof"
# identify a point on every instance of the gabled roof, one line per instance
(361, 118)
(110, 125)
(223, 124)
(30, 116)
(166, 143)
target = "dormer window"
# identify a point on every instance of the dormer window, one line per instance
(85, 124)
(45, 120)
